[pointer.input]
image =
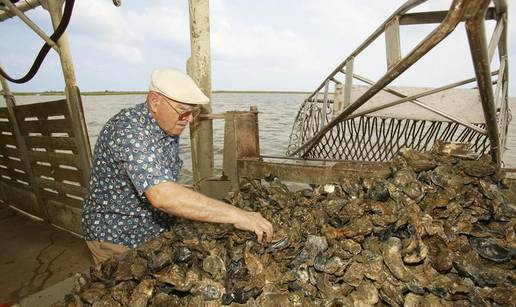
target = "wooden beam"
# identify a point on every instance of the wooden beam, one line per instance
(24, 153)
(14, 174)
(63, 188)
(54, 158)
(3, 111)
(212, 116)
(241, 140)
(82, 140)
(56, 197)
(8, 139)
(47, 126)
(6, 126)
(59, 174)
(73, 95)
(12, 164)
(21, 197)
(199, 68)
(310, 171)
(16, 184)
(65, 216)
(63, 143)
(41, 109)
(10, 152)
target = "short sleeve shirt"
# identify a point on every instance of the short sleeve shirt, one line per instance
(131, 155)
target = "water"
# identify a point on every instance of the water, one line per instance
(276, 115)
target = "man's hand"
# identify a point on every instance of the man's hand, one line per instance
(177, 200)
(254, 221)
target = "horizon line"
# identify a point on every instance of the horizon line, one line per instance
(108, 92)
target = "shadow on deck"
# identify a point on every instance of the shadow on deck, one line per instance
(34, 255)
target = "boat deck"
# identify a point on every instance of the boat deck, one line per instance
(34, 255)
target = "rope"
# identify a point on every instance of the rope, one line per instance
(61, 28)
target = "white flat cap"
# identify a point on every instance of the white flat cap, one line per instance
(177, 86)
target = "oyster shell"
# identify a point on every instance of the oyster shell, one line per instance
(439, 231)
(392, 258)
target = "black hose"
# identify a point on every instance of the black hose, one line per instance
(61, 28)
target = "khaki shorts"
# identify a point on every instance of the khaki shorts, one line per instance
(102, 251)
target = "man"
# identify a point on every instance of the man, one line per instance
(133, 194)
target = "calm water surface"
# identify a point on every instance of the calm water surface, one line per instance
(276, 115)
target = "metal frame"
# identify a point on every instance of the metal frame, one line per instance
(22, 6)
(18, 12)
(68, 211)
(473, 13)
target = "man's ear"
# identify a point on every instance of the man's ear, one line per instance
(153, 102)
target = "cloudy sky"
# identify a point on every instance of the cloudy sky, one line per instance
(256, 45)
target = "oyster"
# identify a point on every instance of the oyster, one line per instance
(392, 258)
(215, 266)
(492, 249)
(439, 231)
(142, 293)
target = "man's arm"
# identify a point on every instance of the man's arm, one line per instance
(177, 200)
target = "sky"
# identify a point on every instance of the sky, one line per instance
(280, 45)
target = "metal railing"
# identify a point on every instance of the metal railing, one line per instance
(323, 127)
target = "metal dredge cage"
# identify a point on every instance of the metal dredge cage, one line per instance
(375, 138)
(342, 129)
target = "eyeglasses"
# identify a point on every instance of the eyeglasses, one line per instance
(195, 111)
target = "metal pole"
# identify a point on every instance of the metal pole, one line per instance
(349, 82)
(338, 99)
(478, 46)
(501, 10)
(22, 6)
(324, 108)
(54, 7)
(73, 96)
(414, 100)
(199, 68)
(410, 4)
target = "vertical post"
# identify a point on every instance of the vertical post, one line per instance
(73, 96)
(338, 99)
(478, 46)
(349, 82)
(24, 153)
(199, 68)
(241, 140)
(501, 11)
(392, 42)
(325, 105)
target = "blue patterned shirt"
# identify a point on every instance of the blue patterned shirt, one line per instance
(132, 154)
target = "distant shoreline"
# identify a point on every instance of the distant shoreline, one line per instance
(107, 93)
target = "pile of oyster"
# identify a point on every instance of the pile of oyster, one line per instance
(438, 230)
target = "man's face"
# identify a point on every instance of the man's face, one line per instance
(171, 116)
